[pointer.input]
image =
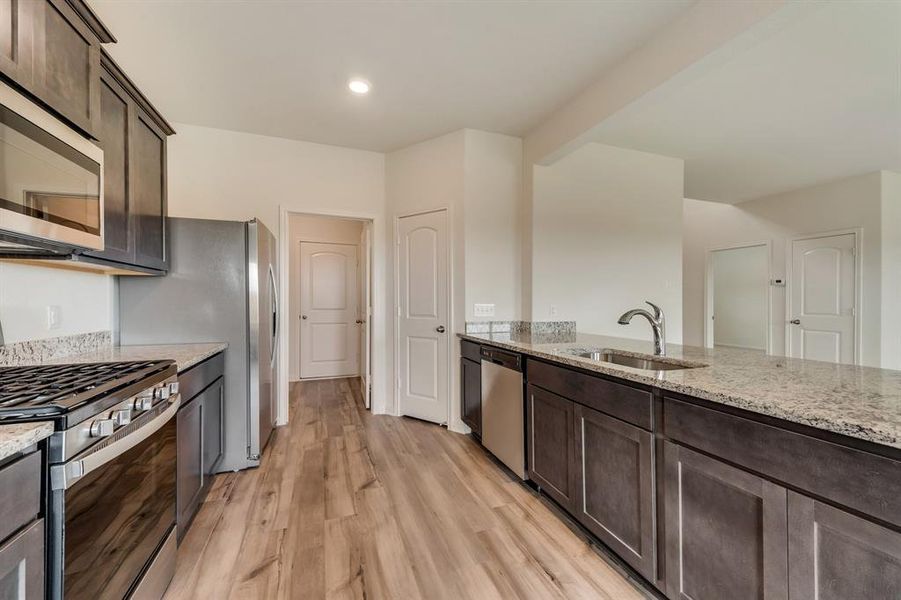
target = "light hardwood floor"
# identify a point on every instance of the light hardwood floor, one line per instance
(350, 505)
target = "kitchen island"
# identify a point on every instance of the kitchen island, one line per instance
(740, 475)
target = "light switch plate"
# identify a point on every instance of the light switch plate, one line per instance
(483, 310)
(53, 316)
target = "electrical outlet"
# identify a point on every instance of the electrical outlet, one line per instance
(553, 310)
(53, 316)
(483, 310)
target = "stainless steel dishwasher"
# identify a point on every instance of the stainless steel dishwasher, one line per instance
(502, 408)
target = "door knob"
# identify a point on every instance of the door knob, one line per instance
(359, 321)
(304, 317)
(440, 329)
(795, 321)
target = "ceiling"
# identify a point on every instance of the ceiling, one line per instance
(280, 68)
(811, 95)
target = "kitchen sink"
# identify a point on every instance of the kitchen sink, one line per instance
(637, 362)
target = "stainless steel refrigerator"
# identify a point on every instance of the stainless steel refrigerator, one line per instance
(221, 286)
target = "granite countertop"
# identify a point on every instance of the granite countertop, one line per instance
(184, 355)
(16, 437)
(860, 402)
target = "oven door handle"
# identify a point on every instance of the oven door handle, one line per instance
(63, 476)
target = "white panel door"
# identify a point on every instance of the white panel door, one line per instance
(422, 316)
(329, 333)
(366, 311)
(823, 299)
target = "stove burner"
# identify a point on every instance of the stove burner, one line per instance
(55, 389)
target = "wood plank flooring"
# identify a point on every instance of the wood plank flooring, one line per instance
(350, 505)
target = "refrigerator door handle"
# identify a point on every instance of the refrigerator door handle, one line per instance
(273, 290)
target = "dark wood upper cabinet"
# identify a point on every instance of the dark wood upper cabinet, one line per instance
(615, 497)
(726, 531)
(51, 49)
(471, 373)
(114, 135)
(16, 40)
(834, 555)
(133, 137)
(149, 192)
(551, 445)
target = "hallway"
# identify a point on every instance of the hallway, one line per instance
(350, 505)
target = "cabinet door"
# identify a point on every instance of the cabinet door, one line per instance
(22, 564)
(213, 399)
(116, 110)
(833, 555)
(615, 500)
(148, 200)
(66, 64)
(551, 449)
(726, 533)
(17, 40)
(190, 462)
(471, 373)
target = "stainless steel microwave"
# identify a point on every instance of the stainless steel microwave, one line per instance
(51, 181)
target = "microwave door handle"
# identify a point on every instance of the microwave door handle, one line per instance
(63, 476)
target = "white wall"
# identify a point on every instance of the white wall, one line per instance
(846, 203)
(492, 223)
(891, 270)
(740, 291)
(85, 301)
(606, 236)
(218, 174)
(305, 228)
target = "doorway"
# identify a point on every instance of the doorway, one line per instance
(330, 298)
(823, 298)
(423, 338)
(738, 297)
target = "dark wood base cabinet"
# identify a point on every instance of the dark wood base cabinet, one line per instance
(551, 445)
(22, 549)
(200, 438)
(471, 373)
(710, 505)
(615, 496)
(725, 531)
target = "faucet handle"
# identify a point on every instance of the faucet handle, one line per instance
(658, 312)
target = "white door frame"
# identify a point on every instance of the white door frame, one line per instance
(857, 232)
(708, 289)
(379, 317)
(358, 269)
(450, 309)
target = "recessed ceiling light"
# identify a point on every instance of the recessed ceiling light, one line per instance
(360, 87)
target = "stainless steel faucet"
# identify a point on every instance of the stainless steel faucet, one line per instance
(657, 321)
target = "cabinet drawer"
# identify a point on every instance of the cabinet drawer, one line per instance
(621, 401)
(860, 480)
(20, 493)
(470, 350)
(199, 377)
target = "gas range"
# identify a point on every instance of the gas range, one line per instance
(79, 398)
(112, 461)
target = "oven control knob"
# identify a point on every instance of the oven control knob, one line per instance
(102, 427)
(121, 417)
(173, 387)
(143, 403)
(162, 392)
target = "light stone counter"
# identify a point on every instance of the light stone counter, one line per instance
(16, 437)
(184, 355)
(859, 402)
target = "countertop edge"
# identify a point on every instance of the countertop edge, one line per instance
(836, 426)
(16, 437)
